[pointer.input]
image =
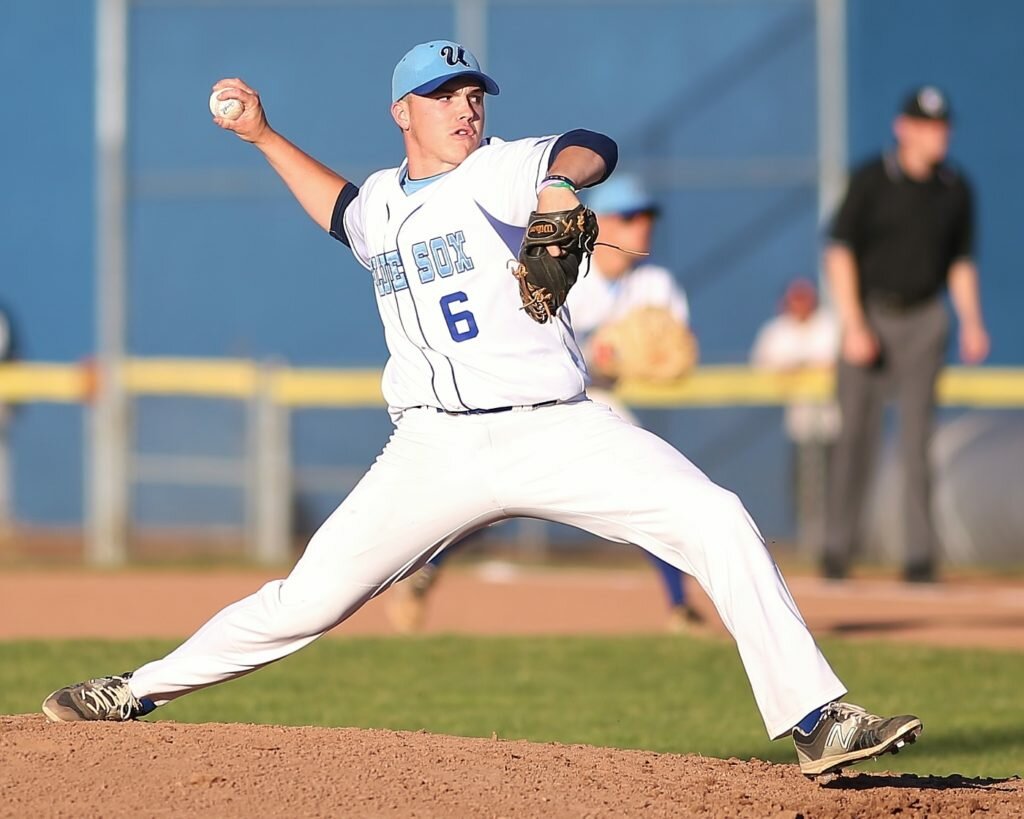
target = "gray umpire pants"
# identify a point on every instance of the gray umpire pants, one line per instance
(913, 347)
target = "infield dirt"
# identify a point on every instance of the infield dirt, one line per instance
(498, 598)
(170, 769)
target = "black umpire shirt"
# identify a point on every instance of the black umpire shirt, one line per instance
(904, 233)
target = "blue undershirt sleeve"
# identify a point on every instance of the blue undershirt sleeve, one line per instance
(600, 144)
(345, 198)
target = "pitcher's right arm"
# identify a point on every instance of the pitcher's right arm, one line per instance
(312, 183)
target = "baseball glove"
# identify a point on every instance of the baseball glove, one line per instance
(544, 280)
(648, 344)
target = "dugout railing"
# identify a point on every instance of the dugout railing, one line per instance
(268, 476)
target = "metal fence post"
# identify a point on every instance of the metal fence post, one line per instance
(532, 538)
(269, 488)
(107, 544)
(830, 18)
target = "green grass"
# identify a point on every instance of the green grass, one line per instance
(656, 693)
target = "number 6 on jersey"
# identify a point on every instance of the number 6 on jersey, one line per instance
(468, 329)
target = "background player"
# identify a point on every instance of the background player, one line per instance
(491, 422)
(617, 284)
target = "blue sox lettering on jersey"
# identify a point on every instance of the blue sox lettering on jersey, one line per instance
(439, 256)
(388, 272)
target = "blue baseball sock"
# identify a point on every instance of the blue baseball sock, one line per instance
(673, 580)
(806, 725)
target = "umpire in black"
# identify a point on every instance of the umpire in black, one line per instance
(902, 236)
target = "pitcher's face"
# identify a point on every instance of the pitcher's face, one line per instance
(443, 127)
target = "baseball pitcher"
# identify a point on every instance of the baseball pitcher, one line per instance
(471, 244)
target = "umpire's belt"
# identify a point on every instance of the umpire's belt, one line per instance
(891, 303)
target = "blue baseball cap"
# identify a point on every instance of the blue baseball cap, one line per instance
(428, 66)
(622, 195)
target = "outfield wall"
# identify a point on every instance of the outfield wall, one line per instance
(714, 101)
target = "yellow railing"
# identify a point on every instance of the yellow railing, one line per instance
(992, 387)
(42, 382)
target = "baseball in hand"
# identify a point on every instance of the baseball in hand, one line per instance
(227, 109)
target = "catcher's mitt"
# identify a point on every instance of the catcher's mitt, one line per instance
(648, 344)
(544, 280)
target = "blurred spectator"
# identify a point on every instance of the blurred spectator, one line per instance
(804, 337)
(903, 234)
(620, 295)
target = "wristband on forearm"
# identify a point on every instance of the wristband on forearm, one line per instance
(555, 181)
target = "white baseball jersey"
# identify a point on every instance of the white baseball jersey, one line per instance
(595, 300)
(785, 343)
(442, 259)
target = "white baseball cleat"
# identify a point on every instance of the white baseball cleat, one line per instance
(105, 698)
(847, 734)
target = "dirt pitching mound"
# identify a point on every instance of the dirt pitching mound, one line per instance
(173, 769)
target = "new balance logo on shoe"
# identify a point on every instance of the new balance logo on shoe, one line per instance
(836, 736)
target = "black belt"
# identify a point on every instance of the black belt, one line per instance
(491, 410)
(895, 304)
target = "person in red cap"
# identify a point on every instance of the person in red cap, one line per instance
(804, 336)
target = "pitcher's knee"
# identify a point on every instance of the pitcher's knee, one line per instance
(694, 500)
(718, 503)
(724, 513)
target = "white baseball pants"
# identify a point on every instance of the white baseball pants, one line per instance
(442, 476)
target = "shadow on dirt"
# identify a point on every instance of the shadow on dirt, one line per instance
(868, 781)
(869, 627)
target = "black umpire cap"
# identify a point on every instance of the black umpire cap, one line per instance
(927, 102)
